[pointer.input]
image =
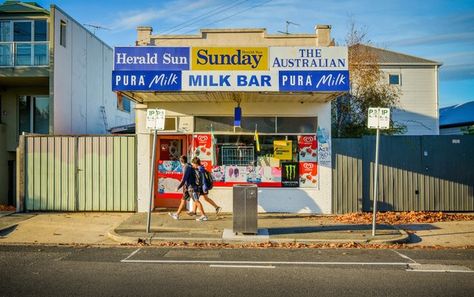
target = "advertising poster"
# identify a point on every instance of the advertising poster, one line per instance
(308, 174)
(308, 148)
(202, 146)
(290, 174)
(169, 175)
(207, 164)
(282, 149)
(235, 174)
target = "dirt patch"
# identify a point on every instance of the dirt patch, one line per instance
(406, 217)
(4, 207)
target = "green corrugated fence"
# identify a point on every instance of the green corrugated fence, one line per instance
(80, 173)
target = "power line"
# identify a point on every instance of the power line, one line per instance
(232, 15)
(196, 19)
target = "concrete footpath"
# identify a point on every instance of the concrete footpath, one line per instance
(130, 228)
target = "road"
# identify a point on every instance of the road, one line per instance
(148, 271)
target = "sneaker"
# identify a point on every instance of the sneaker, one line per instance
(218, 210)
(190, 213)
(202, 218)
(173, 215)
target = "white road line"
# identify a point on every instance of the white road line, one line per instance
(404, 256)
(240, 266)
(265, 262)
(427, 270)
(131, 255)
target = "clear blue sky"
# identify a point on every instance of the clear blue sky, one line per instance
(440, 30)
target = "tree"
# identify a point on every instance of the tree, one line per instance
(368, 89)
(469, 130)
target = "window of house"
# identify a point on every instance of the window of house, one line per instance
(62, 33)
(34, 114)
(123, 103)
(394, 79)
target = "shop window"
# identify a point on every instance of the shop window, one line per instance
(34, 114)
(241, 150)
(62, 33)
(394, 79)
(297, 124)
(226, 124)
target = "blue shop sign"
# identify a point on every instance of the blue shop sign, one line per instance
(146, 81)
(309, 81)
(151, 58)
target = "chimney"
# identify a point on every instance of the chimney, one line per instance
(143, 35)
(323, 32)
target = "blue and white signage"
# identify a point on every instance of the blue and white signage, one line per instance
(313, 81)
(230, 81)
(284, 69)
(151, 58)
(308, 58)
(146, 81)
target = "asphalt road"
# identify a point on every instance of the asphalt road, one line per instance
(148, 271)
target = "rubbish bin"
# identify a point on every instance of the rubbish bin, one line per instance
(245, 201)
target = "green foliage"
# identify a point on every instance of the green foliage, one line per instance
(469, 130)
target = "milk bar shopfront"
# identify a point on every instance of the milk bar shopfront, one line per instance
(255, 108)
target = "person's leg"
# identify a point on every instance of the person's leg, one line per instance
(210, 201)
(181, 206)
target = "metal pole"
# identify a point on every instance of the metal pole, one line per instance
(152, 181)
(376, 173)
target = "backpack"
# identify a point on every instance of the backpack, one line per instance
(208, 179)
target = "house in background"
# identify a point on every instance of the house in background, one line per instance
(453, 120)
(55, 78)
(417, 79)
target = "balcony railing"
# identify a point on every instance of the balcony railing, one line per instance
(14, 54)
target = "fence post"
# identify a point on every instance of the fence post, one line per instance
(20, 174)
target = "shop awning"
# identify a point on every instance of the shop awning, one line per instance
(307, 97)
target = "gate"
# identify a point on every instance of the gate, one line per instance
(79, 173)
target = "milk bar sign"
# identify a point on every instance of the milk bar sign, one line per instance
(244, 69)
(379, 118)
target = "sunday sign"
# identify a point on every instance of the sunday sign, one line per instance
(292, 69)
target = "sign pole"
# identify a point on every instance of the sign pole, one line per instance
(376, 171)
(152, 182)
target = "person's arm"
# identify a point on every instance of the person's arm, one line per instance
(185, 177)
(203, 178)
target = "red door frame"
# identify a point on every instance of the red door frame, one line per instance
(166, 202)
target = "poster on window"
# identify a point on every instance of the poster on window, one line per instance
(202, 146)
(282, 149)
(308, 174)
(290, 174)
(169, 176)
(235, 173)
(308, 148)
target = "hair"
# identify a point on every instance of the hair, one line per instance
(183, 159)
(196, 161)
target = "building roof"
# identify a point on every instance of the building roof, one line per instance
(18, 7)
(386, 57)
(457, 115)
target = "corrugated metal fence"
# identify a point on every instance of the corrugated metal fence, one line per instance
(432, 173)
(80, 173)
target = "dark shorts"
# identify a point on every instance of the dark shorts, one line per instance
(190, 192)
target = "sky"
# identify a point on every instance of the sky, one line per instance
(439, 30)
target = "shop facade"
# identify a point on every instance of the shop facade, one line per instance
(255, 108)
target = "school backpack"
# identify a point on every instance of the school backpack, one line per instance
(208, 179)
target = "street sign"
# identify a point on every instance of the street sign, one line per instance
(155, 119)
(378, 118)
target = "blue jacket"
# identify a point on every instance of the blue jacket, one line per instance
(202, 171)
(189, 178)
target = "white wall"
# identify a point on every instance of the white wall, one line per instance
(82, 79)
(298, 200)
(418, 106)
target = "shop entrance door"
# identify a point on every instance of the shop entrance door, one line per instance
(168, 169)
